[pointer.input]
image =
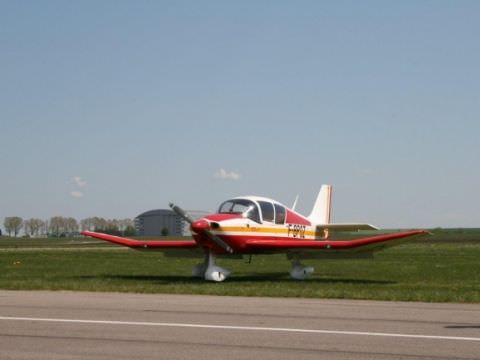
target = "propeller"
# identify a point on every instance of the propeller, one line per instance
(202, 226)
(180, 212)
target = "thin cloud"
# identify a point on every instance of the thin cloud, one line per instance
(79, 181)
(227, 175)
(76, 194)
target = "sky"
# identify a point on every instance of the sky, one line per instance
(113, 108)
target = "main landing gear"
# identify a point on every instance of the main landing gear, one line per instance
(212, 272)
(300, 271)
(209, 270)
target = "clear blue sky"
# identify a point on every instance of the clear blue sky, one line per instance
(111, 108)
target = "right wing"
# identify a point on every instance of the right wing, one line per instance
(346, 227)
(370, 243)
(142, 244)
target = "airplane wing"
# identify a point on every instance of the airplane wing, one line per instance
(346, 227)
(142, 244)
(370, 243)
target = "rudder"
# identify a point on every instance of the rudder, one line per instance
(322, 209)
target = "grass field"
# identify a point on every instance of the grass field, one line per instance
(442, 268)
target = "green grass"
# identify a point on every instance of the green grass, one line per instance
(79, 242)
(443, 268)
(21, 243)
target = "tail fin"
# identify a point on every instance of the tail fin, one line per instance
(322, 210)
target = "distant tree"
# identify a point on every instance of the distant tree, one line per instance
(93, 224)
(26, 227)
(164, 231)
(32, 226)
(39, 226)
(71, 225)
(44, 227)
(129, 231)
(112, 227)
(123, 224)
(100, 224)
(87, 224)
(13, 224)
(57, 226)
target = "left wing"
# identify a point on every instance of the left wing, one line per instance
(142, 244)
(371, 243)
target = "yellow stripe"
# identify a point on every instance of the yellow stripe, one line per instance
(262, 230)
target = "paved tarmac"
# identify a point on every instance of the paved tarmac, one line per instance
(79, 325)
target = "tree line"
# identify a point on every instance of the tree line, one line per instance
(59, 226)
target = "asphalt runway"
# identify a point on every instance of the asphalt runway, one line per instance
(79, 325)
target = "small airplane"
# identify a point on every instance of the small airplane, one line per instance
(250, 225)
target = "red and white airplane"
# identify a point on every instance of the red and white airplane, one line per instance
(256, 225)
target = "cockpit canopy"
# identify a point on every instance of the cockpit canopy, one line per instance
(255, 210)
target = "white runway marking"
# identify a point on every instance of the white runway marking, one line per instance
(244, 328)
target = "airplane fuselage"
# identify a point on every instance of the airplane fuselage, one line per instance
(252, 218)
(235, 230)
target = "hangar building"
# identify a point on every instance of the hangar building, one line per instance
(156, 222)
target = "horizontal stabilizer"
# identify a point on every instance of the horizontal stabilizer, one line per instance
(142, 244)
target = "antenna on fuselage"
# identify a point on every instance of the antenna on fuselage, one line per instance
(295, 203)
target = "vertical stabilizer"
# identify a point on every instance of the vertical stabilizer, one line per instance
(322, 210)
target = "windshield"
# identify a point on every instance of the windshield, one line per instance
(240, 206)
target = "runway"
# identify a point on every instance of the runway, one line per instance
(71, 325)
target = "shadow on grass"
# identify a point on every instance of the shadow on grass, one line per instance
(261, 278)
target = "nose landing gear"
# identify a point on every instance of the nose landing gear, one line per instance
(209, 270)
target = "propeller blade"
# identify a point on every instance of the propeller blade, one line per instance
(216, 239)
(180, 212)
(219, 242)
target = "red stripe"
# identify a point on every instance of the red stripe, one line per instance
(294, 218)
(222, 217)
